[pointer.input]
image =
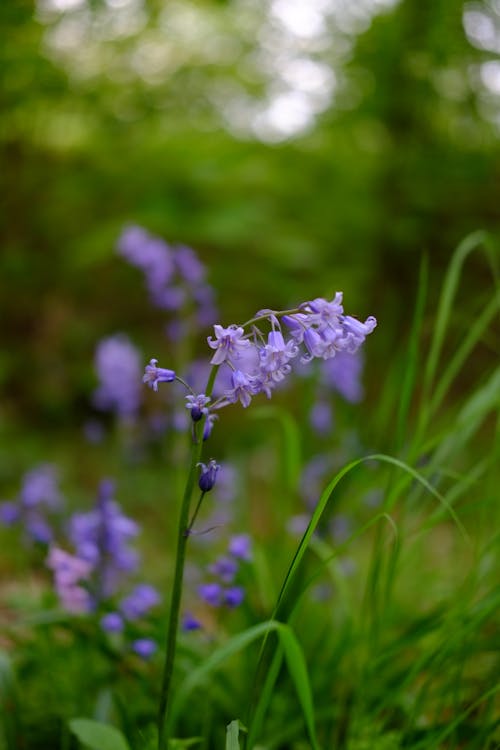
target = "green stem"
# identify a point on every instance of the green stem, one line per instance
(175, 601)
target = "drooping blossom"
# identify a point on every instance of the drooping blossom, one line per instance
(154, 375)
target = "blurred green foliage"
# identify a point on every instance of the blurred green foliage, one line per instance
(155, 113)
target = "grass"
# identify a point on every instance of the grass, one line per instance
(383, 639)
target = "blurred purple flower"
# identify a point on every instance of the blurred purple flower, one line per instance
(38, 497)
(224, 568)
(342, 373)
(112, 623)
(211, 593)
(118, 367)
(102, 537)
(240, 546)
(234, 596)
(138, 603)
(189, 622)
(69, 572)
(144, 647)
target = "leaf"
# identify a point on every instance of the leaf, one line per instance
(98, 736)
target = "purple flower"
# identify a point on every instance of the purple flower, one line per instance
(10, 513)
(209, 425)
(244, 387)
(228, 343)
(208, 475)
(224, 568)
(189, 622)
(197, 405)
(189, 266)
(240, 546)
(211, 593)
(343, 374)
(138, 603)
(274, 357)
(39, 495)
(112, 623)
(102, 538)
(144, 647)
(154, 375)
(40, 488)
(69, 572)
(118, 367)
(354, 332)
(152, 256)
(234, 596)
(321, 417)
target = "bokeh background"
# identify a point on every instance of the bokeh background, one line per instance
(299, 147)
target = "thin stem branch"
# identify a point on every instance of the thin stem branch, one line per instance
(196, 510)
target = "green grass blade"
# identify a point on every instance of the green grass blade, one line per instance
(232, 735)
(477, 329)
(468, 244)
(199, 675)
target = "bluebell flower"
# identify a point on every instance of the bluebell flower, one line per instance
(138, 603)
(228, 343)
(211, 593)
(189, 622)
(118, 367)
(144, 647)
(112, 622)
(154, 375)
(197, 406)
(224, 568)
(38, 499)
(70, 572)
(102, 537)
(208, 475)
(342, 373)
(240, 546)
(234, 596)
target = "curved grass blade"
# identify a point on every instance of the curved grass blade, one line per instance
(294, 658)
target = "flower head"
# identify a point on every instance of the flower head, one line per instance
(154, 375)
(208, 475)
(197, 405)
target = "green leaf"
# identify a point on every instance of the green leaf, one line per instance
(98, 736)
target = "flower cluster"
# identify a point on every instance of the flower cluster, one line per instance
(102, 538)
(175, 277)
(38, 498)
(90, 579)
(221, 590)
(257, 363)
